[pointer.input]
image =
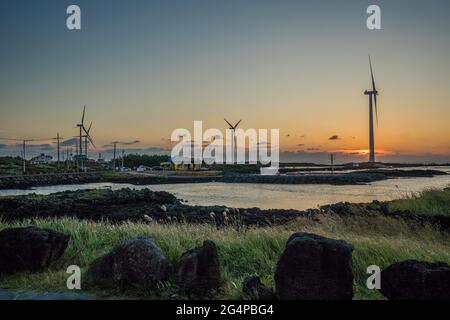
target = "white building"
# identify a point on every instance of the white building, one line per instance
(41, 159)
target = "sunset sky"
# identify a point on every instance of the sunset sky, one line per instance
(145, 68)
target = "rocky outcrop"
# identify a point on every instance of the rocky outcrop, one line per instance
(103, 204)
(199, 270)
(30, 249)
(29, 181)
(374, 208)
(137, 263)
(315, 268)
(416, 280)
(162, 207)
(134, 205)
(253, 289)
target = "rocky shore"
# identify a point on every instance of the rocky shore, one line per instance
(147, 206)
(30, 181)
(352, 178)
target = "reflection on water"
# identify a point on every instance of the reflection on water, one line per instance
(267, 196)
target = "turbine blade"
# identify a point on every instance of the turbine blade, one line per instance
(91, 141)
(82, 117)
(86, 130)
(374, 89)
(231, 126)
(371, 73)
(237, 124)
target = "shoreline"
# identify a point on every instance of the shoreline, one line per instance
(146, 206)
(351, 178)
(381, 233)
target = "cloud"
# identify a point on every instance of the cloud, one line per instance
(301, 145)
(335, 137)
(313, 149)
(130, 143)
(122, 143)
(69, 142)
(43, 147)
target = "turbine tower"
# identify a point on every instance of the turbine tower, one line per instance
(84, 133)
(81, 126)
(372, 103)
(233, 140)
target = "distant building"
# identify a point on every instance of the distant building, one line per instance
(183, 166)
(41, 159)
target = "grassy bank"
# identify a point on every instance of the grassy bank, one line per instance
(427, 202)
(377, 240)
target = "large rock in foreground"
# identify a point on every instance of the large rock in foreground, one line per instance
(416, 280)
(137, 263)
(30, 249)
(315, 268)
(199, 270)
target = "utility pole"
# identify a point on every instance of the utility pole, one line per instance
(114, 159)
(58, 140)
(123, 158)
(332, 158)
(24, 161)
(24, 154)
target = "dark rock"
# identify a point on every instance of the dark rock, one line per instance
(315, 268)
(416, 280)
(199, 270)
(255, 290)
(30, 249)
(137, 263)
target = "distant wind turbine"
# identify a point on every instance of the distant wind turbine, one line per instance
(233, 140)
(81, 127)
(372, 102)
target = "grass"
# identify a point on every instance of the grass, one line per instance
(377, 240)
(427, 202)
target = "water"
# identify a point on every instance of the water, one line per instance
(268, 196)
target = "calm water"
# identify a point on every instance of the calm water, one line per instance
(269, 196)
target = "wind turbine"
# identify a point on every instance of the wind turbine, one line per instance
(87, 137)
(81, 127)
(372, 102)
(233, 140)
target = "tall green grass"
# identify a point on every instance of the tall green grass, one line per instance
(377, 240)
(426, 202)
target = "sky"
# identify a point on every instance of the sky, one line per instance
(145, 68)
